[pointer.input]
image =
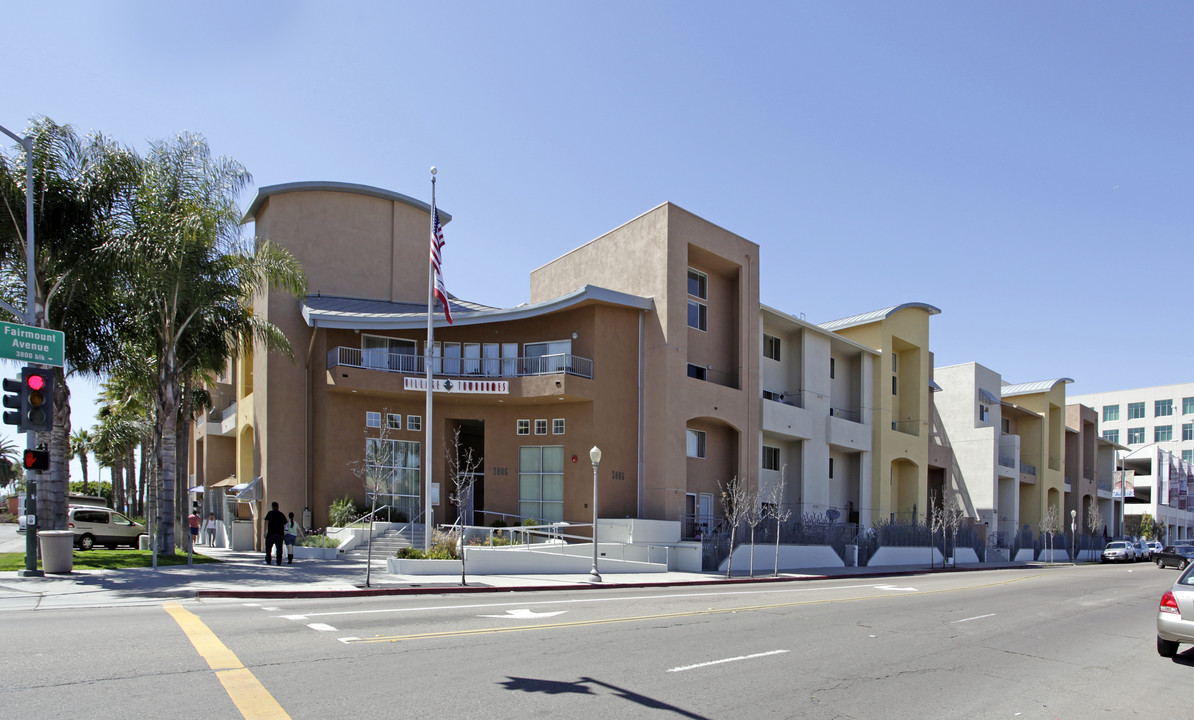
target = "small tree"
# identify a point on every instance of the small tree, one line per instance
(463, 465)
(1094, 519)
(735, 505)
(375, 472)
(1049, 526)
(773, 509)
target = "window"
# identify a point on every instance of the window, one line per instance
(698, 372)
(770, 347)
(387, 353)
(393, 422)
(698, 315)
(895, 362)
(1163, 433)
(1188, 406)
(1110, 413)
(1135, 411)
(1187, 431)
(522, 427)
(698, 284)
(894, 385)
(1188, 456)
(373, 419)
(541, 427)
(984, 413)
(1163, 408)
(414, 422)
(696, 443)
(541, 483)
(1135, 436)
(395, 464)
(546, 357)
(770, 458)
(830, 468)
(832, 367)
(1111, 435)
(1006, 425)
(557, 426)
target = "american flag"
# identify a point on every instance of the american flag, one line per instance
(437, 249)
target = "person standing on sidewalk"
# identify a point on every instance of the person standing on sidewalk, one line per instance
(209, 529)
(193, 521)
(275, 528)
(289, 536)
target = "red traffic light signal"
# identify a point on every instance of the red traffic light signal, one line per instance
(37, 459)
(37, 408)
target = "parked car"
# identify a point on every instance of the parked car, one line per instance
(1175, 615)
(1179, 556)
(1154, 547)
(1119, 551)
(1142, 550)
(100, 526)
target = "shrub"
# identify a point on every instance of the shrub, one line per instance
(319, 541)
(498, 523)
(530, 522)
(342, 512)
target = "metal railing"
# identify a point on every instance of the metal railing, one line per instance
(216, 416)
(1027, 469)
(551, 539)
(1007, 461)
(851, 415)
(794, 398)
(559, 363)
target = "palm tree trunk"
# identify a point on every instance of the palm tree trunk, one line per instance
(167, 468)
(52, 486)
(130, 483)
(117, 469)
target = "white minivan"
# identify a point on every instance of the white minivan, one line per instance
(100, 526)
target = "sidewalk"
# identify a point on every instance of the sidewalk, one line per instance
(244, 575)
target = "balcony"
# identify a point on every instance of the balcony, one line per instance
(222, 422)
(795, 398)
(559, 364)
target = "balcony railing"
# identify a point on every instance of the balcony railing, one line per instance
(215, 416)
(1027, 469)
(788, 397)
(558, 364)
(1007, 461)
(851, 415)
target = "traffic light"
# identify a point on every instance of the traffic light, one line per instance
(37, 459)
(37, 410)
(32, 400)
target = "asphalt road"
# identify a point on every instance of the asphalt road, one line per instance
(1061, 642)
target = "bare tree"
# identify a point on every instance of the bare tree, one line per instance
(1094, 519)
(376, 471)
(735, 505)
(774, 509)
(936, 523)
(1049, 526)
(463, 465)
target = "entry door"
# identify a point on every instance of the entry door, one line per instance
(705, 519)
(690, 512)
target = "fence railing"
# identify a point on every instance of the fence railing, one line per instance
(559, 363)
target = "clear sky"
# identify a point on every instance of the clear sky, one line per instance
(1026, 167)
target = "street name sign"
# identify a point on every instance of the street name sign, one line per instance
(32, 344)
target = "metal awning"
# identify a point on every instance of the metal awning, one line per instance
(196, 489)
(248, 491)
(227, 482)
(987, 397)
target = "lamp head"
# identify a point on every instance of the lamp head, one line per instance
(595, 455)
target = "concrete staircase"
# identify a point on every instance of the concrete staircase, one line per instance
(386, 543)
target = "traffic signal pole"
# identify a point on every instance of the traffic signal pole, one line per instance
(31, 477)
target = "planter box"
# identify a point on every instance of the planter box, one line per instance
(314, 553)
(407, 566)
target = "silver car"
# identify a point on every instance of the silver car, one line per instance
(1175, 615)
(1119, 551)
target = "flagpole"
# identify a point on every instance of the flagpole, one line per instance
(429, 353)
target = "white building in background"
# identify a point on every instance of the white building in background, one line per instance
(1162, 415)
(1158, 484)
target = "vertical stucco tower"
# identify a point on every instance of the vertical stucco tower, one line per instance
(700, 364)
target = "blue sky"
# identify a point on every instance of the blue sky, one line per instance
(1032, 161)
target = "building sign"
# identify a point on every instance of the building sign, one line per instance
(1123, 486)
(448, 385)
(28, 344)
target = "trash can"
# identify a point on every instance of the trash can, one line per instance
(57, 550)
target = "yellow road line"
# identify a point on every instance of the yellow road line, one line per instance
(246, 691)
(664, 616)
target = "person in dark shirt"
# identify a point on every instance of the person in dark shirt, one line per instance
(275, 528)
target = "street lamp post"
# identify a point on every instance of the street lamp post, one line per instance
(1074, 532)
(595, 457)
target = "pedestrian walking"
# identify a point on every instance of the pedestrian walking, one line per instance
(275, 529)
(289, 536)
(193, 521)
(209, 529)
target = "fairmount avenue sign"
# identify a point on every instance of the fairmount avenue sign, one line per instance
(31, 344)
(475, 387)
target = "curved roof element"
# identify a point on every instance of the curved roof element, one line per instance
(876, 315)
(360, 314)
(263, 193)
(1032, 388)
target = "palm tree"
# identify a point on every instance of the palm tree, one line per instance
(80, 447)
(191, 286)
(9, 452)
(81, 187)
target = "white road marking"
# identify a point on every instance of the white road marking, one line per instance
(573, 601)
(251, 604)
(525, 614)
(321, 627)
(726, 660)
(348, 639)
(893, 587)
(270, 609)
(976, 617)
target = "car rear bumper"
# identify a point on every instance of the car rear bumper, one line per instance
(1172, 627)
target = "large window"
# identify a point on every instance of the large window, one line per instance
(695, 443)
(1135, 436)
(770, 347)
(1135, 410)
(770, 458)
(541, 483)
(1163, 433)
(698, 284)
(1110, 413)
(1188, 406)
(1187, 431)
(698, 315)
(1111, 435)
(389, 353)
(1163, 408)
(393, 470)
(698, 287)
(1188, 456)
(546, 357)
